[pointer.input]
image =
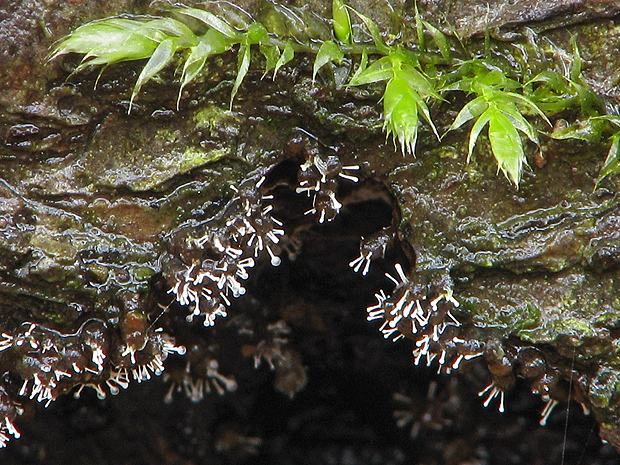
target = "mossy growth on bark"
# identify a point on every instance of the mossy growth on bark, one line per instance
(236, 228)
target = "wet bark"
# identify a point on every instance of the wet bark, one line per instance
(100, 211)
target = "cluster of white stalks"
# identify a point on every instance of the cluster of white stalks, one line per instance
(209, 284)
(50, 362)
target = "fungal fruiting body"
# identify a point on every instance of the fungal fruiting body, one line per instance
(319, 177)
(225, 249)
(372, 247)
(229, 244)
(208, 268)
(50, 363)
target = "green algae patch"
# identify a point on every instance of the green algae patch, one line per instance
(605, 387)
(574, 304)
(216, 119)
(126, 153)
(193, 158)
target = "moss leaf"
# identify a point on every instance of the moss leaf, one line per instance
(612, 162)
(374, 32)
(288, 53)
(210, 43)
(342, 22)
(160, 58)
(506, 145)
(400, 111)
(107, 42)
(328, 52)
(478, 126)
(243, 64)
(380, 70)
(471, 110)
(271, 54)
(210, 20)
